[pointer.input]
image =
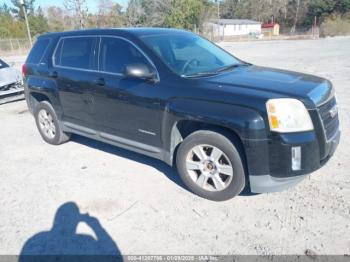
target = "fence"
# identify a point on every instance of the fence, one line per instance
(14, 46)
(22, 46)
(211, 32)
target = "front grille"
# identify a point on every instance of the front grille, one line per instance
(330, 124)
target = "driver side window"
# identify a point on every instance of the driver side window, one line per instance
(116, 54)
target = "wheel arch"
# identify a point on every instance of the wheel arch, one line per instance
(185, 127)
(40, 89)
(34, 98)
(238, 123)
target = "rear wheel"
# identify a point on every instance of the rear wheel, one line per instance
(48, 124)
(210, 165)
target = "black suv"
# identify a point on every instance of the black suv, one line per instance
(175, 96)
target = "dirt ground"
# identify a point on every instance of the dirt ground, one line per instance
(142, 207)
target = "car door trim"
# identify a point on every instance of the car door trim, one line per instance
(115, 140)
(80, 128)
(128, 142)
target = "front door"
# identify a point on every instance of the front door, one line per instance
(125, 107)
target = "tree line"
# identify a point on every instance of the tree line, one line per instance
(187, 14)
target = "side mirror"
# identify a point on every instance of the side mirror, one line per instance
(141, 71)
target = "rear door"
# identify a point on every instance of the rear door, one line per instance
(74, 68)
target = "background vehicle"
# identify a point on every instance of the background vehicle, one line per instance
(11, 84)
(175, 96)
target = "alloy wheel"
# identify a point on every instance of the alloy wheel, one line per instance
(46, 124)
(209, 167)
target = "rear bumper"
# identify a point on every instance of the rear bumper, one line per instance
(270, 161)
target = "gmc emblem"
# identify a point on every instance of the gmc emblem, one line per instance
(334, 111)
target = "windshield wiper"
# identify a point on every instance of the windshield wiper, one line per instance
(229, 67)
(201, 74)
(216, 72)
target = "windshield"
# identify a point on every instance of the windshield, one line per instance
(3, 64)
(189, 54)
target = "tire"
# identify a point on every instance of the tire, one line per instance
(49, 125)
(213, 176)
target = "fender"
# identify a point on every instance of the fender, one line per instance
(245, 122)
(46, 87)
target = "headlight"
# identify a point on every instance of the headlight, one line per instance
(288, 115)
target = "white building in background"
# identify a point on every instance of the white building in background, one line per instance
(234, 27)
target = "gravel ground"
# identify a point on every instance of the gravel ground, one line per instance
(142, 205)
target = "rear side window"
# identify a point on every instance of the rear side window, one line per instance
(75, 52)
(38, 51)
(116, 54)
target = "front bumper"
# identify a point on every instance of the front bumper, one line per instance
(269, 161)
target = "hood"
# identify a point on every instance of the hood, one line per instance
(9, 75)
(275, 82)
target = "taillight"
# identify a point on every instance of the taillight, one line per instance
(24, 70)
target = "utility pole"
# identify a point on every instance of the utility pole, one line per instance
(27, 24)
(218, 2)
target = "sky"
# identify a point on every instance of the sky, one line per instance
(90, 3)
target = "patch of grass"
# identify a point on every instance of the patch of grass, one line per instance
(336, 25)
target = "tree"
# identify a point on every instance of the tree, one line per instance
(135, 13)
(5, 10)
(78, 11)
(55, 18)
(325, 8)
(185, 14)
(5, 21)
(109, 14)
(38, 23)
(17, 10)
(147, 12)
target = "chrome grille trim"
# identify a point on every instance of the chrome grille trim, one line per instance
(330, 124)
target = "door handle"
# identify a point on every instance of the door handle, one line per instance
(54, 74)
(100, 81)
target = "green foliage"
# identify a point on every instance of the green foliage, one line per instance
(9, 27)
(344, 5)
(17, 10)
(323, 9)
(13, 26)
(55, 19)
(147, 12)
(184, 14)
(187, 14)
(336, 25)
(38, 23)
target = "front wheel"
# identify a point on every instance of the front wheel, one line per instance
(210, 165)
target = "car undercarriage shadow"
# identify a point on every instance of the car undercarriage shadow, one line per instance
(168, 171)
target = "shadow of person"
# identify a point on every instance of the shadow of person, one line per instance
(62, 240)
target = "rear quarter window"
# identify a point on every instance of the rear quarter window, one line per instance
(75, 52)
(38, 51)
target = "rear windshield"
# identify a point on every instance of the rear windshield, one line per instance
(3, 64)
(38, 51)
